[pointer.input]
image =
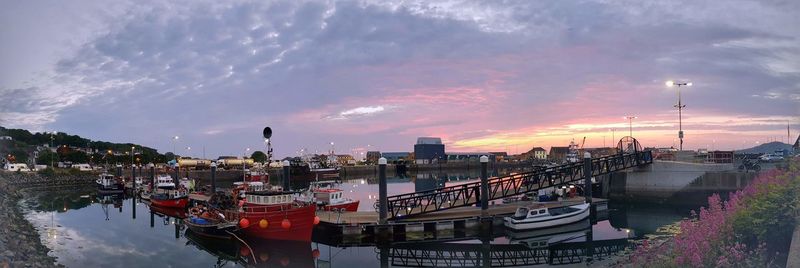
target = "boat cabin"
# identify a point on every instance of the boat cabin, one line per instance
(269, 198)
(106, 180)
(164, 181)
(523, 213)
(329, 196)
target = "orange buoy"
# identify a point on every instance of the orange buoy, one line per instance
(244, 251)
(316, 220)
(263, 256)
(263, 223)
(315, 253)
(244, 223)
(286, 224)
(205, 215)
(241, 203)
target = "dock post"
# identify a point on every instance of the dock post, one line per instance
(213, 177)
(119, 170)
(587, 176)
(152, 219)
(133, 176)
(152, 175)
(484, 186)
(382, 196)
(287, 174)
(177, 179)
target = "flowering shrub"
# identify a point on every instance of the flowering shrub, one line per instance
(739, 232)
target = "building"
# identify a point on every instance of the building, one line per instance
(429, 150)
(558, 153)
(372, 157)
(500, 156)
(396, 157)
(603, 151)
(469, 157)
(5, 138)
(345, 160)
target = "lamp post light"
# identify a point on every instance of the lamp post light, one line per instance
(680, 107)
(174, 140)
(630, 124)
(244, 164)
(132, 152)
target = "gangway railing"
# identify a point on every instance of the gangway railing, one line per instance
(508, 255)
(468, 194)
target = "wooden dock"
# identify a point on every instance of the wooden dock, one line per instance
(362, 227)
(371, 217)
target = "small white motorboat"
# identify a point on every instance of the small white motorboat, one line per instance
(526, 218)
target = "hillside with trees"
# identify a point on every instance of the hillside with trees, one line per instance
(71, 148)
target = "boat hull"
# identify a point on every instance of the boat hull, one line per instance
(528, 224)
(301, 219)
(170, 203)
(208, 230)
(349, 206)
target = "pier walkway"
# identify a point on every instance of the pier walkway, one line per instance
(468, 194)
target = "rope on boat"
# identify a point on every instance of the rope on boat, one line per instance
(252, 254)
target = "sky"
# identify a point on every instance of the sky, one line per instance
(375, 75)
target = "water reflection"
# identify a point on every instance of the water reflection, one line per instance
(83, 229)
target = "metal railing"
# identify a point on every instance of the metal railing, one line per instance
(501, 187)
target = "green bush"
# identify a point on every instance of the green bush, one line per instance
(47, 172)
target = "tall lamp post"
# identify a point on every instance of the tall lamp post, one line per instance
(174, 156)
(680, 107)
(630, 125)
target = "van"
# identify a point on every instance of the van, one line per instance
(82, 167)
(17, 167)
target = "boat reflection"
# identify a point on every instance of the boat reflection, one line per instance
(255, 252)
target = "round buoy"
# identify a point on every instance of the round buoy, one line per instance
(244, 223)
(241, 203)
(315, 253)
(205, 215)
(285, 261)
(244, 251)
(316, 220)
(263, 223)
(286, 224)
(263, 256)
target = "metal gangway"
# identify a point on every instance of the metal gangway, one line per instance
(468, 194)
(484, 255)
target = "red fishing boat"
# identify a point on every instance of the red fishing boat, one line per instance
(170, 199)
(329, 198)
(275, 215)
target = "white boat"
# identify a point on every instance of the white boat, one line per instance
(526, 218)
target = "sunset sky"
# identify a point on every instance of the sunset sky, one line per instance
(482, 75)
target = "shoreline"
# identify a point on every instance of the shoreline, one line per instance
(20, 243)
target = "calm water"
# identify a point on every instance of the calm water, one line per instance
(115, 232)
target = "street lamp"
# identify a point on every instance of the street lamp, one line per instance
(174, 140)
(132, 152)
(188, 149)
(680, 107)
(630, 124)
(244, 163)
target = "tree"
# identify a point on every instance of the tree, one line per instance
(169, 156)
(259, 156)
(76, 157)
(46, 157)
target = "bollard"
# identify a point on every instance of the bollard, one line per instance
(119, 170)
(382, 196)
(484, 186)
(213, 178)
(587, 177)
(152, 219)
(176, 180)
(287, 175)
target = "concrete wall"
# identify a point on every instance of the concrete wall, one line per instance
(675, 182)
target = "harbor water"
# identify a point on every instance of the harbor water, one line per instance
(86, 230)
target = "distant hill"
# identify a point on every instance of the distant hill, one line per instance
(24, 144)
(767, 148)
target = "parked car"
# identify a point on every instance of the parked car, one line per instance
(16, 167)
(770, 158)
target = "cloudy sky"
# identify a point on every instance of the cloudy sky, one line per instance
(483, 75)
